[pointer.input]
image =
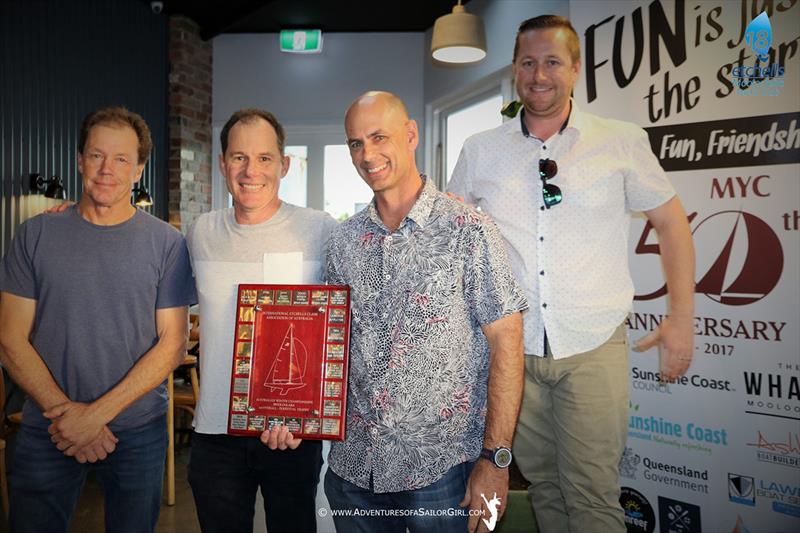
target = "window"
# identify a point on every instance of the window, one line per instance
(467, 121)
(345, 191)
(450, 120)
(294, 185)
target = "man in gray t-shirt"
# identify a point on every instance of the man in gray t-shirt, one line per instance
(93, 318)
(228, 247)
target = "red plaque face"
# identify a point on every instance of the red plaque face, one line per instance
(290, 360)
(287, 367)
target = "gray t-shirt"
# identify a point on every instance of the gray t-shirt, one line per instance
(97, 289)
(225, 254)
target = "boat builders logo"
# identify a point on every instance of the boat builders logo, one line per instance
(778, 448)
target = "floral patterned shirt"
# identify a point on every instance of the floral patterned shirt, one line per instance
(419, 362)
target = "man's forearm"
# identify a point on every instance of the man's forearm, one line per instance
(678, 260)
(20, 358)
(506, 369)
(26, 368)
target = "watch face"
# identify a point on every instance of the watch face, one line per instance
(502, 457)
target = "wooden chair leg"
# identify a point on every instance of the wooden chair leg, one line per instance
(171, 442)
(3, 478)
(195, 384)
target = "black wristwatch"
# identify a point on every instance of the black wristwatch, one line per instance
(500, 456)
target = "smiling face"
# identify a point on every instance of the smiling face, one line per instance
(109, 167)
(382, 140)
(253, 167)
(544, 72)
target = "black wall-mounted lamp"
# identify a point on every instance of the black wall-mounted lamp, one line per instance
(141, 197)
(54, 187)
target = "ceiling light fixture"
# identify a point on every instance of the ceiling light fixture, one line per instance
(458, 37)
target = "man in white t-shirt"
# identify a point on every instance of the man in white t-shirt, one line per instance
(228, 247)
(561, 185)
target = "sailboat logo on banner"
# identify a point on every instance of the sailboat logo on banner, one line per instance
(289, 368)
(749, 258)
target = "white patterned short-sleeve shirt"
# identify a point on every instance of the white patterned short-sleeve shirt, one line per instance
(572, 259)
(419, 361)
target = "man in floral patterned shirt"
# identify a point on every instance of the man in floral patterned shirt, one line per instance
(436, 349)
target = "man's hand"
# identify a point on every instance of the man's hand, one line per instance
(73, 427)
(59, 208)
(280, 438)
(675, 339)
(98, 449)
(487, 480)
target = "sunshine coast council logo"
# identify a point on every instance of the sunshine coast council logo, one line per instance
(761, 78)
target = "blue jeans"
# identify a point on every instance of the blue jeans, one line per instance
(444, 496)
(45, 484)
(225, 472)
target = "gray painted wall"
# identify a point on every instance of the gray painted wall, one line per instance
(250, 70)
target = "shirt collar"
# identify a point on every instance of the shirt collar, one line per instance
(420, 211)
(573, 120)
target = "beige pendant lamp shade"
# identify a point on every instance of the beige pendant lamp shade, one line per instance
(458, 37)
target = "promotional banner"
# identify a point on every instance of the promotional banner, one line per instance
(716, 84)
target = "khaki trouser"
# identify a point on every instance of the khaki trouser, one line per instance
(571, 434)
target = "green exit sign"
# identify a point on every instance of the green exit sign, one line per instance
(301, 41)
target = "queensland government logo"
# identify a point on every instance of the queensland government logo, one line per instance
(762, 78)
(629, 463)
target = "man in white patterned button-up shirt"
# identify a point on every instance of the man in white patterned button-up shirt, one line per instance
(436, 350)
(561, 185)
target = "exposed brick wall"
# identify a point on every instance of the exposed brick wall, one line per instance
(190, 61)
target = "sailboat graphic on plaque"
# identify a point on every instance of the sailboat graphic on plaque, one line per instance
(289, 367)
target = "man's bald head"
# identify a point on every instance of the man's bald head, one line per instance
(390, 103)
